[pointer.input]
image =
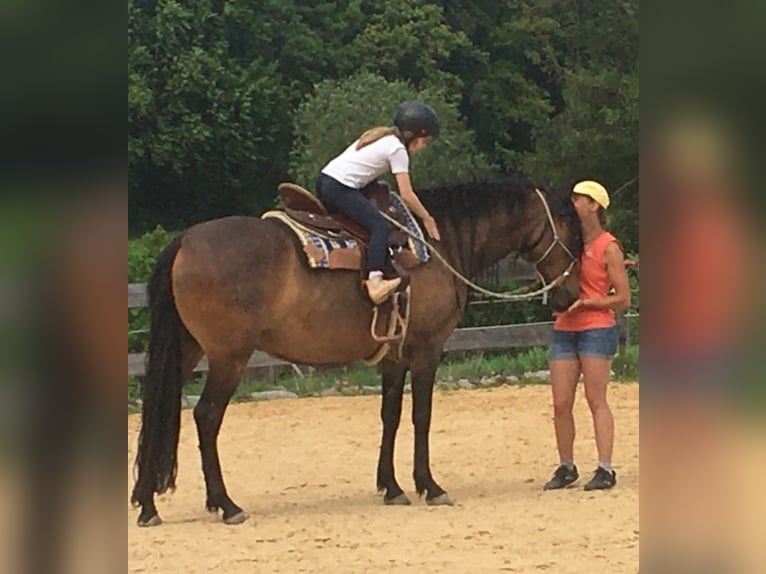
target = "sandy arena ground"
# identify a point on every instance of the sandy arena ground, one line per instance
(304, 470)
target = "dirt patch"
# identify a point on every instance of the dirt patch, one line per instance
(304, 470)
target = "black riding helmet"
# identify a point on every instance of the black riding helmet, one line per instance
(417, 118)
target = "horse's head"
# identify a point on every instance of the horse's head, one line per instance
(486, 220)
(555, 245)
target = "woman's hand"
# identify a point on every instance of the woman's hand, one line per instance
(431, 228)
(576, 305)
(580, 303)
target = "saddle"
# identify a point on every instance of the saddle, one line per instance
(307, 210)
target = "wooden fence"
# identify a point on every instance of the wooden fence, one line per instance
(466, 339)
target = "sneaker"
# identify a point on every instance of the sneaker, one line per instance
(602, 480)
(379, 289)
(563, 477)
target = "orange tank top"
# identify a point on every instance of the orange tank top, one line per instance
(594, 283)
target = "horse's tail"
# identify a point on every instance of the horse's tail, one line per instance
(156, 461)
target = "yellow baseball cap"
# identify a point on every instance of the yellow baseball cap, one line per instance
(594, 190)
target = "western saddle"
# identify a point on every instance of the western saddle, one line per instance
(305, 208)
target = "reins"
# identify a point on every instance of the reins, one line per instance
(516, 294)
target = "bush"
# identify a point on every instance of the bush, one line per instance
(142, 255)
(143, 252)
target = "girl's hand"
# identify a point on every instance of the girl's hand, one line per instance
(433, 231)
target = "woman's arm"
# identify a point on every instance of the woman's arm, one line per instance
(615, 267)
(412, 201)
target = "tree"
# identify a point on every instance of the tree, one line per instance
(338, 112)
(516, 91)
(595, 133)
(201, 129)
(407, 40)
(219, 89)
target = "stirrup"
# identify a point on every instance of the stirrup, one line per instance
(398, 320)
(397, 328)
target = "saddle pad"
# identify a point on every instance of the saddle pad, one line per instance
(321, 252)
(417, 247)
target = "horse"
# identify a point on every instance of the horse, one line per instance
(227, 287)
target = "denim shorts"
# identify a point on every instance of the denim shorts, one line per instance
(589, 342)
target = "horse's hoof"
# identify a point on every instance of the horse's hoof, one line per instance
(442, 500)
(238, 518)
(400, 500)
(153, 521)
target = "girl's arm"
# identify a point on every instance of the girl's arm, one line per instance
(412, 201)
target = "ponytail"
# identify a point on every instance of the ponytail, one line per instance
(374, 134)
(602, 218)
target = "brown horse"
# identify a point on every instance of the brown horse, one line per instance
(227, 287)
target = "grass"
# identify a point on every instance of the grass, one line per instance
(625, 365)
(350, 380)
(488, 364)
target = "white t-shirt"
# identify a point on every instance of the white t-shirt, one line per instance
(356, 168)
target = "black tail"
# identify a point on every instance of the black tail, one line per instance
(156, 460)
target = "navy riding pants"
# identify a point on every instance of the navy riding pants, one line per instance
(351, 203)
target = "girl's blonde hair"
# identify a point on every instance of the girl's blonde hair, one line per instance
(374, 134)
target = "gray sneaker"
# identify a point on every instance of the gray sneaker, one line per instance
(602, 480)
(563, 477)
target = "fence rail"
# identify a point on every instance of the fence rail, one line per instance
(137, 295)
(465, 339)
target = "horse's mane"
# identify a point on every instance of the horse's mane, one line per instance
(473, 199)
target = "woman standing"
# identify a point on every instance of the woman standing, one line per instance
(585, 340)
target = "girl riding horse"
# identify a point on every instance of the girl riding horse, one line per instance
(378, 150)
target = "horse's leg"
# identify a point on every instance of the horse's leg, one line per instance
(221, 383)
(392, 375)
(423, 374)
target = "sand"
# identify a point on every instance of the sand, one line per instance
(304, 470)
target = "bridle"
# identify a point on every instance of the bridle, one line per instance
(561, 277)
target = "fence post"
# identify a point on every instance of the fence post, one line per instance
(623, 331)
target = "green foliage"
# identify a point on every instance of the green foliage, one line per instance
(142, 255)
(338, 112)
(143, 252)
(200, 122)
(408, 40)
(625, 365)
(558, 98)
(219, 91)
(595, 137)
(515, 92)
(473, 366)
